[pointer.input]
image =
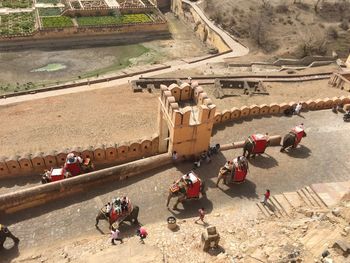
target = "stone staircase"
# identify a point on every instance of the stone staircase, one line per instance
(282, 205)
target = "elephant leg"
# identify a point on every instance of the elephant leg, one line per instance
(220, 177)
(176, 204)
(168, 200)
(248, 155)
(283, 149)
(14, 238)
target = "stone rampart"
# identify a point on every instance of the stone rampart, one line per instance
(101, 155)
(277, 109)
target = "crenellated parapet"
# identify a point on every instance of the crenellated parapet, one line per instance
(189, 115)
(187, 104)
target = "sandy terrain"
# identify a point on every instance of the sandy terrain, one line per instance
(114, 115)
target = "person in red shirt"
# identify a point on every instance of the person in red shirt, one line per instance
(266, 197)
(142, 233)
(201, 213)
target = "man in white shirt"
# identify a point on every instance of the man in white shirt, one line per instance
(298, 108)
(115, 236)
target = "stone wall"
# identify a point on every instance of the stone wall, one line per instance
(101, 155)
(340, 81)
(205, 33)
(276, 109)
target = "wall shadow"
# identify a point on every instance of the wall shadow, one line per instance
(8, 254)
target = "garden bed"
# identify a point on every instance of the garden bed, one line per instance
(54, 2)
(50, 11)
(56, 22)
(113, 20)
(17, 24)
(16, 3)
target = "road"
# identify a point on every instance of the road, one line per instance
(237, 50)
(322, 157)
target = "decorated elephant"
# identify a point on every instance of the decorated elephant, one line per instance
(224, 173)
(292, 140)
(234, 171)
(255, 144)
(6, 233)
(185, 189)
(131, 217)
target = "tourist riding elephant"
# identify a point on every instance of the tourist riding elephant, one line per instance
(290, 140)
(6, 233)
(224, 173)
(249, 147)
(179, 190)
(132, 217)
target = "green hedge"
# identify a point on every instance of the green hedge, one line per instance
(56, 21)
(113, 20)
(17, 23)
(16, 3)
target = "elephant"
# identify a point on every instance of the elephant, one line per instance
(249, 148)
(6, 233)
(289, 140)
(179, 189)
(223, 175)
(132, 217)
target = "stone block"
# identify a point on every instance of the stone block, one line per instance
(225, 115)
(328, 103)
(254, 110)
(134, 150)
(197, 90)
(13, 165)
(61, 157)
(4, 171)
(311, 104)
(264, 109)
(319, 104)
(186, 115)
(38, 162)
(346, 107)
(99, 154)
(336, 101)
(177, 118)
(217, 117)
(274, 108)
(146, 147)
(50, 160)
(207, 101)
(245, 111)
(283, 107)
(345, 100)
(202, 96)
(87, 153)
(235, 113)
(25, 164)
(186, 91)
(122, 151)
(155, 143)
(111, 153)
(175, 91)
(203, 115)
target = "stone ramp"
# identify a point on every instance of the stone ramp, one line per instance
(316, 196)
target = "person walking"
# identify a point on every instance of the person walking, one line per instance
(201, 213)
(266, 197)
(298, 108)
(115, 236)
(142, 233)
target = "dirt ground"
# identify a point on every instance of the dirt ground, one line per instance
(244, 237)
(114, 115)
(284, 27)
(90, 61)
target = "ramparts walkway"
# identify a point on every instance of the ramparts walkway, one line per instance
(236, 50)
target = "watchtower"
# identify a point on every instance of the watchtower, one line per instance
(185, 118)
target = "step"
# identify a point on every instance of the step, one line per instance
(304, 198)
(309, 197)
(317, 199)
(284, 203)
(270, 206)
(264, 210)
(279, 206)
(293, 199)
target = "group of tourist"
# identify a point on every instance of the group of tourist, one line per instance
(119, 206)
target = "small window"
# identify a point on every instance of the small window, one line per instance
(25, 164)
(123, 151)
(146, 147)
(98, 154)
(14, 167)
(110, 153)
(1, 169)
(50, 161)
(38, 164)
(134, 150)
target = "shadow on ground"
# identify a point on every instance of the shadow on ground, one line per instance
(300, 152)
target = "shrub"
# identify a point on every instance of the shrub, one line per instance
(56, 21)
(332, 32)
(344, 25)
(282, 9)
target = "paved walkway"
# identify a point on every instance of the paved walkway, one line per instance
(237, 50)
(328, 139)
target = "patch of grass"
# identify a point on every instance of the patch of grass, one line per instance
(50, 11)
(56, 22)
(17, 23)
(16, 3)
(113, 20)
(54, 2)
